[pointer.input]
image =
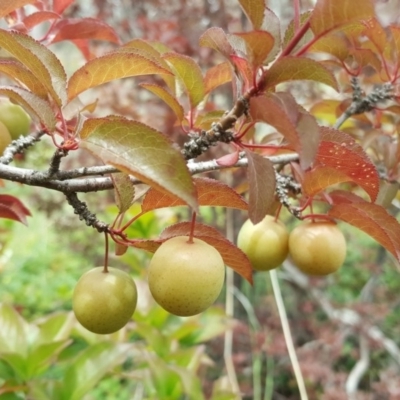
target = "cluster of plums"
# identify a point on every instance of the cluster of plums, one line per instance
(186, 276)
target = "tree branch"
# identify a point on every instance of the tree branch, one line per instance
(78, 180)
(361, 103)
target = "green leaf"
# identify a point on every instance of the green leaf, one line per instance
(142, 151)
(254, 10)
(17, 71)
(291, 31)
(124, 191)
(212, 323)
(168, 98)
(17, 363)
(299, 68)
(39, 60)
(55, 327)
(191, 382)
(14, 332)
(163, 378)
(115, 65)
(90, 366)
(155, 338)
(189, 73)
(42, 356)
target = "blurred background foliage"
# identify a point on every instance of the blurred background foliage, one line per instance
(45, 354)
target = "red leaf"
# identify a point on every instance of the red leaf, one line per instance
(232, 255)
(6, 6)
(346, 161)
(210, 193)
(374, 220)
(258, 46)
(12, 208)
(245, 69)
(297, 126)
(120, 249)
(215, 38)
(38, 17)
(321, 177)
(262, 183)
(83, 28)
(265, 109)
(228, 159)
(309, 133)
(307, 129)
(328, 15)
(217, 76)
(60, 5)
(344, 197)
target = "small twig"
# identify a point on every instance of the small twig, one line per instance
(81, 209)
(361, 104)
(199, 143)
(283, 185)
(220, 131)
(55, 162)
(19, 146)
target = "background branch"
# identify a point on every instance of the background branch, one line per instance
(344, 316)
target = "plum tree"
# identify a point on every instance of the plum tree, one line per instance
(265, 243)
(103, 302)
(317, 248)
(186, 276)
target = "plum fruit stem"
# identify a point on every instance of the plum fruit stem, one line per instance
(106, 247)
(192, 226)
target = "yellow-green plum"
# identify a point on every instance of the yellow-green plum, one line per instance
(265, 243)
(5, 138)
(317, 248)
(186, 277)
(15, 118)
(104, 302)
